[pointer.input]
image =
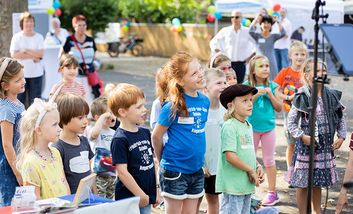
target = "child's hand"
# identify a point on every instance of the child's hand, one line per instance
(291, 97)
(268, 90)
(206, 172)
(337, 144)
(253, 177)
(158, 199)
(260, 173)
(144, 200)
(19, 179)
(306, 139)
(261, 91)
(107, 117)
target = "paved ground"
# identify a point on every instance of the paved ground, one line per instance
(140, 71)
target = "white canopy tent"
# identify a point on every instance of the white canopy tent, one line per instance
(299, 11)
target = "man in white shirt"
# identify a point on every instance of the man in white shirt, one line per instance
(57, 35)
(235, 42)
(282, 45)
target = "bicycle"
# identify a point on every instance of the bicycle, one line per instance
(132, 44)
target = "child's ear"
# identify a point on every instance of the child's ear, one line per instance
(38, 130)
(5, 86)
(122, 112)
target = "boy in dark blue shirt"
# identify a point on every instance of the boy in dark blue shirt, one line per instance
(131, 147)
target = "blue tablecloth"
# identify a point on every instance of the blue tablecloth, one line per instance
(93, 199)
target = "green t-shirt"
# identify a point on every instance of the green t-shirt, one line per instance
(236, 137)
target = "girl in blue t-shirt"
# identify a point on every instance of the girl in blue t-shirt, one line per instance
(266, 102)
(183, 117)
(12, 83)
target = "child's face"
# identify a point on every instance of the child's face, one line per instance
(226, 67)
(16, 85)
(297, 57)
(69, 73)
(77, 124)
(321, 71)
(215, 86)
(50, 126)
(262, 69)
(137, 113)
(243, 105)
(231, 78)
(193, 80)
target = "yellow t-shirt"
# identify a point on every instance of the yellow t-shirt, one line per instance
(48, 175)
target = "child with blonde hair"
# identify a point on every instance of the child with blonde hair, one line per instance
(41, 165)
(266, 103)
(183, 117)
(215, 84)
(238, 172)
(68, 67)
(329, 120)
(12, 83)
(289, 80)
(222, 62)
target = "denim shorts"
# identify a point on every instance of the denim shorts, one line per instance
(180, 186)
(235, 204)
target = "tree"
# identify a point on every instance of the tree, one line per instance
(6, 10)
(161, 11)
(98, 13)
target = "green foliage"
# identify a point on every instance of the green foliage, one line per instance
(98, 13)
(161, 11)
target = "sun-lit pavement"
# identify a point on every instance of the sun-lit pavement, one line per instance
(140, 71)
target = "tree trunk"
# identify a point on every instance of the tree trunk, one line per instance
(7, 7)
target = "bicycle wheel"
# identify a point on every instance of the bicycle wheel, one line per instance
(113, 49)
(137, 50)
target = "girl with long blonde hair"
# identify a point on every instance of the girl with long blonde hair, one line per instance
(183, 117)
(41, 165)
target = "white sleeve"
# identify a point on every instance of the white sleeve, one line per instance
(14, 45)
(217, 41)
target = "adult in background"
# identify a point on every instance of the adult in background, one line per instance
(79, 43)
(265, 40)
(27, 47)
(235, 42)
(298, 34)
(282, 45)
(57, 35)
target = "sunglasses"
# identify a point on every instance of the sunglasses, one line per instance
(226, 68)
(236, 17)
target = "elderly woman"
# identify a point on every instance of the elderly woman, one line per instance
(265, 40)
(83, 48)
(27, 47)
(57, 35)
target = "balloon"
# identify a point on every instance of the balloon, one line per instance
(179, 28)
(270, 11)
(127, 24)
(247, 23)
(218, 15)
(56, 4)
(51, 11)
(210, 18)
(276, 7)
(211, 9)
(58, 12)
(243, 21)
(176, 21)
(125, 28)
(173, 29)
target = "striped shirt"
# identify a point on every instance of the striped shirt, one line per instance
(75, 88)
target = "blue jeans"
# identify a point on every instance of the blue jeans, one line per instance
(180, 186)
(235, 204)
(33, 89)
(146, 209)
(282, 58)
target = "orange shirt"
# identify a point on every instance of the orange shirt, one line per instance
(289, 81)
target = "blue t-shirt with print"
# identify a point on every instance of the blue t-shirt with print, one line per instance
(135, 150)
(185, 149)
(263, 115)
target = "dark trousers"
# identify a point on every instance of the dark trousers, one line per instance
(33, 89)
(240, 69)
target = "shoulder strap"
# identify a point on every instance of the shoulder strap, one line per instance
(79, 49)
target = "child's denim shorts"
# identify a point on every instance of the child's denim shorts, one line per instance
(180, 186)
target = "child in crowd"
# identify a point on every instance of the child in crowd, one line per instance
(12, 83)
(183, 117)
(289, 80)
(221, 61)
(237, 171)
(329, 119)
(69, 70)
(40, 165)
(74, 149)
(161, 93)
(100, 136)
(263, 117)
(215, 84)
(131, 147)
